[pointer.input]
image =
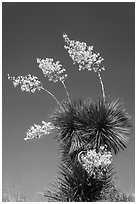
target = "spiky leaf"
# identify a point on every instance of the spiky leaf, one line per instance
(90, 124)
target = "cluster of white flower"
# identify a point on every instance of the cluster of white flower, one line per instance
(83, 55)
(28, 83)
(96, 163)
(53, 70)
(37, 131)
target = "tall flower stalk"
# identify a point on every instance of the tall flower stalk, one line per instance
(84, 56)
(102, 85)
(53, 96)
(66, 91)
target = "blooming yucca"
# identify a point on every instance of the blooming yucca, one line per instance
(87, 130)
(53, 70)
(94, 163)
(38, 131)
(83, 55)
(28, 83)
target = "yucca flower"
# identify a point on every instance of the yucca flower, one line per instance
(96, 164)
(30, 83)
(27, 83)
(38, 131)
(83, 55)
(53, 70)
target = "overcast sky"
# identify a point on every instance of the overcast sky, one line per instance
(32, 30)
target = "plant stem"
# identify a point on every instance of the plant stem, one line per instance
(53, 97)
(102, 85)
(66, 90)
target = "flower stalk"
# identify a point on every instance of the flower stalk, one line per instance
(102, 85)
(66, 91)
(53, 96)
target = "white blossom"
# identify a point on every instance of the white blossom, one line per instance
(27, 83)
(83, 55)
(38, 131)
(53, 70)
(96, 163)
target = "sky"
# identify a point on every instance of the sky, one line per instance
(34, 30)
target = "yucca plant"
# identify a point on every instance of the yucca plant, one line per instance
(89, 131)
(86, 125)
